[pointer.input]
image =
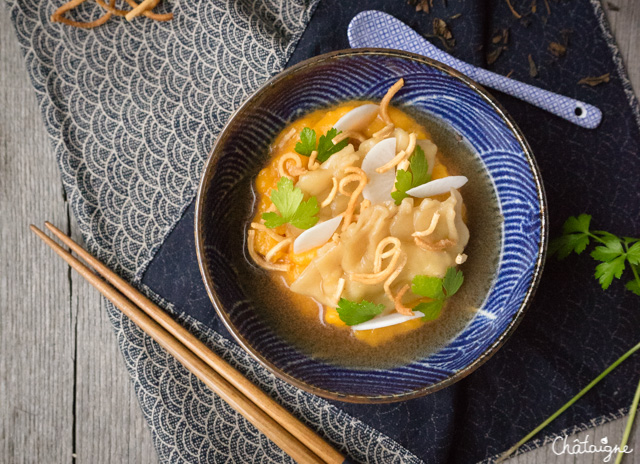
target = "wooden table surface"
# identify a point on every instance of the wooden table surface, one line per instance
(65, 395)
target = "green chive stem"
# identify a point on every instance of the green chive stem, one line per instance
(627, 430)
(515, 447)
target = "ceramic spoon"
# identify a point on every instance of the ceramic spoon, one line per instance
(377, 29)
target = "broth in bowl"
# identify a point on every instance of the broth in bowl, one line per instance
(375, 236)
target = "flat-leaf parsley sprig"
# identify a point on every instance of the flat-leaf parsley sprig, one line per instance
(614, 253)
(352, 313)
(439, 290)
(406, 180)
(288, 200)
(325, 148)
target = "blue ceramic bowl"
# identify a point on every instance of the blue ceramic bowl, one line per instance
(430, 87)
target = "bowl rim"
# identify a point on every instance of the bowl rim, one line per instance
(211, 163)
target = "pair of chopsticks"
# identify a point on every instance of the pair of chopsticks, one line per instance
(287, 432)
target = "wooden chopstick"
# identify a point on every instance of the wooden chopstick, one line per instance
(293, 437)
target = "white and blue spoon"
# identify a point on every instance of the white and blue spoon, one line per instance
(380, 30)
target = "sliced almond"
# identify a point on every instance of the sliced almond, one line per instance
(316, 236)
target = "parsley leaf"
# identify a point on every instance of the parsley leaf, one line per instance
(577, 224)
(575, 237)
(633, 253)
(352, 313)
(406, 180)
(606, 253)
(452, 281)
(419, 167)
(428, 286)
(325, 147)
(605, 272)
(288, 200)
(307, 142)
(613, 252)
(439, 290)
(633, 286)
(431, 310)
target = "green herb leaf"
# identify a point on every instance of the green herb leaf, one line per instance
(577, 224)
(610, 251)
(407, 180)
(633, 253)
(288, 200)
(633, 286)
(307, 142)
(352, 313)
(419, 167)
(273, 220)
(452, 282)
(326, 147)
(305, 216)
(431, 310)
(403, 183)
(428, 286)
(564, 245)
(437, 289)
(605, 272)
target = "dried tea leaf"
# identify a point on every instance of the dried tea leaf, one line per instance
(533, 70)
(612, 7)
(594, 80)
(455, 16)
(534, 6)
(421, 5)
(497, 38)
(505, 36)
(442, 31)
(493, 56)
(441, 28)
(509, 73)
(557, 49)
(546, 5)
(513, 11)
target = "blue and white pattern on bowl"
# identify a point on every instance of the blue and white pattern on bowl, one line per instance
(430, 87)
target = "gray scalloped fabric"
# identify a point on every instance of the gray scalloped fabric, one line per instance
(132, 110)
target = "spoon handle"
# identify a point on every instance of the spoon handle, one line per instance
(575, 111)
(377, 29)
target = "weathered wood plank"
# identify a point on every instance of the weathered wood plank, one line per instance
(36, 326)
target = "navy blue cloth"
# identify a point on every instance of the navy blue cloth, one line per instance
(573, 330)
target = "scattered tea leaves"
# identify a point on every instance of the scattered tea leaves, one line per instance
(557, 49)
(442, 31)
(533, 70)
(493, 55)
(594, 80)
(422, 5)
(513, 11)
